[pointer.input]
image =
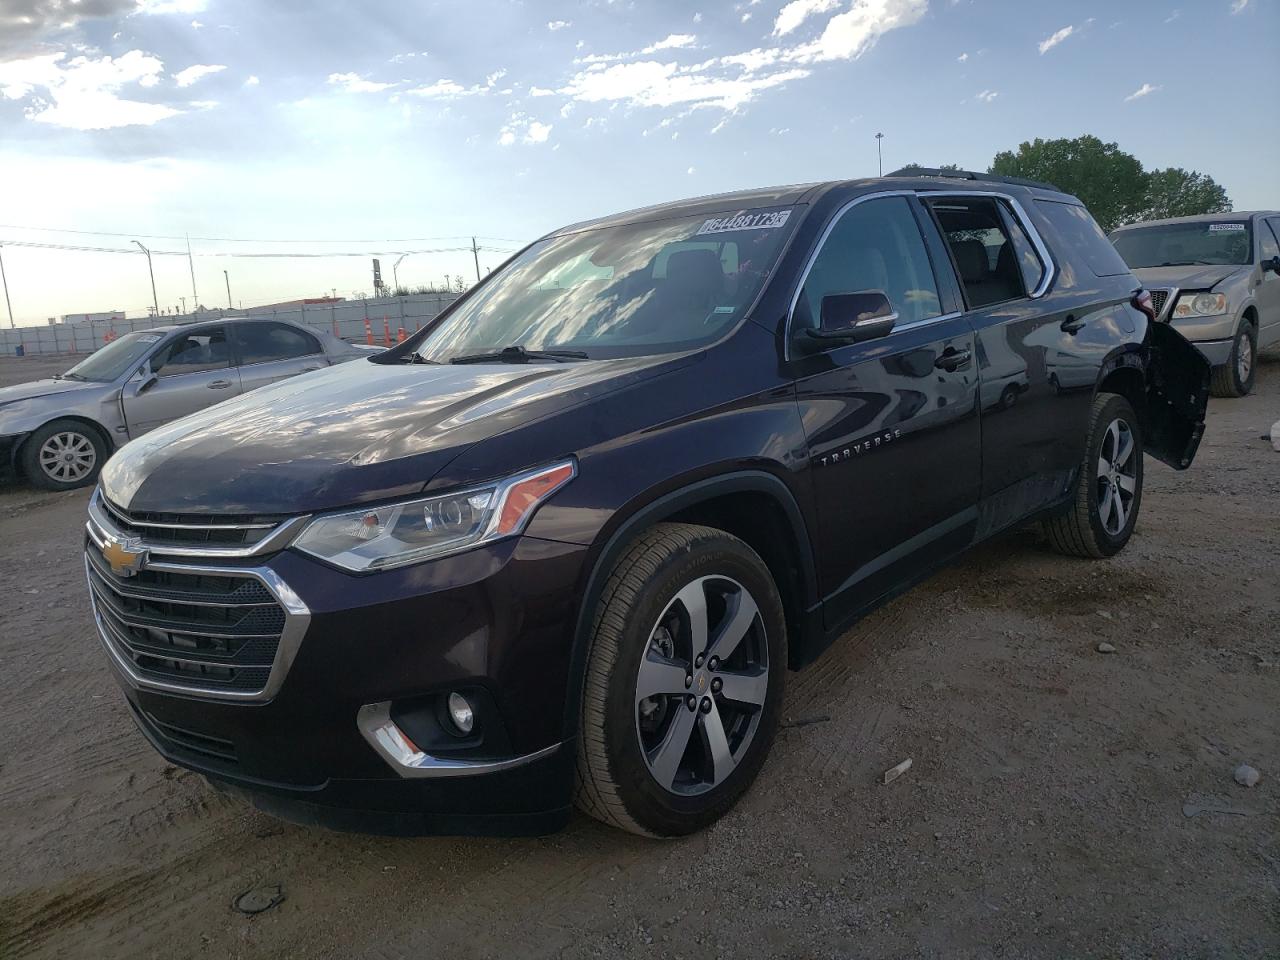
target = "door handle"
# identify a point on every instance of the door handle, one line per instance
(1071, 325)
(219, 384)
(953, 359)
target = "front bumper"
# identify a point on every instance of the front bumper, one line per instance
(495, 622)
(9, 454)
(1217, 352)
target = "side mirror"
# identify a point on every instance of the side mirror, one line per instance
(1273, 265)
(854, 317)
(146, 380)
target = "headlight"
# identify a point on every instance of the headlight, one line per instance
(379, 538)
(1200, 305)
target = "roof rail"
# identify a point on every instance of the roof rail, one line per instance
(972, 175)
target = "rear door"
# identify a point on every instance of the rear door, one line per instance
(891, 424)
(270, 351)
(1268, 294)
(188, 372)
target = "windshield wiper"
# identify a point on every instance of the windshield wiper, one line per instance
(518, 354)
(1188, 263)
(67, 376)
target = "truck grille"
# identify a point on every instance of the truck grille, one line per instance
(220, 629)
(1158, 300)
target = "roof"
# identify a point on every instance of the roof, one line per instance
(798, 194)
(1203, 218)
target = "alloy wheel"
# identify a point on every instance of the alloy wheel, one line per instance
(701, 685)
(68, 457)
(1244, 358)
(1117, 477)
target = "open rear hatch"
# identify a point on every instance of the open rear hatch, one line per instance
(1177, 396)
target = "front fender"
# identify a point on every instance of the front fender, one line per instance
(1177, 396)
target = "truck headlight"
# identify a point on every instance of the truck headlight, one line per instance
(1200, 305)
(379, 538)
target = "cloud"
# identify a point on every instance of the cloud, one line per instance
(194, 74)
(1050, 42)
(673, 41)
(797, 12)
(252, 81)
(986, 96)
(156, 7)
(1238, 5)
(524, 129)
(441, 90)
(354, 83)
(82, 94)
(554, 25)
(849, 35)
(962, 58)
(1145, 90)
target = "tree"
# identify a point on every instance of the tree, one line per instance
(1111, 183)
(1180, 193)
(906, 171)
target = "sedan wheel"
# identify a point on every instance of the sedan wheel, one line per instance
(63, 455)
(68, 457)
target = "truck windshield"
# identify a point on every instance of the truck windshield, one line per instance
(621, 291)
(1225, 242)
(115, 358)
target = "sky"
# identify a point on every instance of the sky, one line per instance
(409, 126)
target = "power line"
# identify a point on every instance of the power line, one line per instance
(84, 248)
(159, 236)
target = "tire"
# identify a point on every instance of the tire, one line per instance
(1235, 377)
(1009, 396)
(641, 630)
(1097, 525)
(44, 455)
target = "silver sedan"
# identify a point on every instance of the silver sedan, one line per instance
(59, 432)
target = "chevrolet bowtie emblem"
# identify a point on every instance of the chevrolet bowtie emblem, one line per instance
(125, 557)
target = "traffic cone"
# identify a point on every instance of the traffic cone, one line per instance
(386, 332)
(368, 332)
(400, 337)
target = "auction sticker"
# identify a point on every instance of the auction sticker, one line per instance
(745, 220)
(1225, 227)
(151, 338)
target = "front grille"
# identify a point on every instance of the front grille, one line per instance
(190, 741)
(1158, 299)
(210, 632)
(191, 529)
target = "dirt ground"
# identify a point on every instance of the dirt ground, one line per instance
(1045, 814)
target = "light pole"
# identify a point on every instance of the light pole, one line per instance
(154, 299)
(395, 277)
(6, 289)
(879, 156)
(227, 277)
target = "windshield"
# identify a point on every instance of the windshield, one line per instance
(622, 291)
(1228, 243)
(115, 358)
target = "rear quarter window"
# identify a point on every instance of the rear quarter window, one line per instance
(1077, 229)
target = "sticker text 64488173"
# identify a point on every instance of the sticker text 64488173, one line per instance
(745, 220)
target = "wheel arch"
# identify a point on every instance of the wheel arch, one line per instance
(753, 505)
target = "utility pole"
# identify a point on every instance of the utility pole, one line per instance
(184, 304)
(154, 299)
(195, 297)
(227, 277)
(6, 289)
(395, 276)
(879, 156)
(475, 252)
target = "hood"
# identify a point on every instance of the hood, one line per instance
(349, 434)
(1186, 278)
(44, 388)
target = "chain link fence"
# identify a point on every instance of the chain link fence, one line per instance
(386, 317)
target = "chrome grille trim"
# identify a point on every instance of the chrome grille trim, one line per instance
(104, 517)
(121, 647)
(1162, 301)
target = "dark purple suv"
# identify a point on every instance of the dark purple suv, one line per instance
(566, 543)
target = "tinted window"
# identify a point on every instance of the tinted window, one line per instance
(986, 256)
(1207, 242)
(260, 341)
(1267, 242)
(1028, 260)
(875, 246)
(192, 353)
(1081, 235)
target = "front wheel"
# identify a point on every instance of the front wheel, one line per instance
(684, 682)
(63, 455)
(1108, 485)
(1235, 377)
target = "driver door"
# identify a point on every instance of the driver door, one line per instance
(189, 372)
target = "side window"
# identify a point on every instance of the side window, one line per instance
(193, 353)
(990, 256)
(1029, 262)
(263, 340)
(875, 246)
(1081, 233)
(1269, 245)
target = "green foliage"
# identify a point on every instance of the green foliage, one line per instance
(1181, 193)
(1111, 182)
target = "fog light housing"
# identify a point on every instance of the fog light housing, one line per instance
(461, 714)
